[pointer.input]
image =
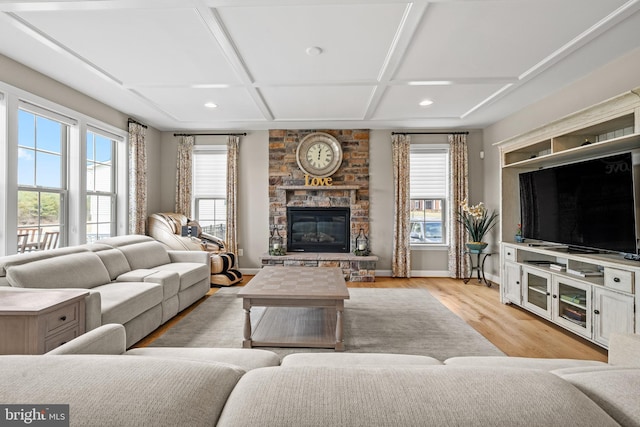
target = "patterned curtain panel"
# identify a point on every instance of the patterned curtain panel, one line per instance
(232, 188)
(401, 256)
(459, 170)
(184, 175)
(137, 179)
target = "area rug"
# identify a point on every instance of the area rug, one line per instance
(409, 321)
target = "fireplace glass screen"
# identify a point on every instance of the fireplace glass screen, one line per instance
(318, 229)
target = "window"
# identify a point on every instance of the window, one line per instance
(42, 184)
(101, 186)
(210, 189)
(428, 192)
(66, 175)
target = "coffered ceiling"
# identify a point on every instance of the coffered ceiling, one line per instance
(316, 64)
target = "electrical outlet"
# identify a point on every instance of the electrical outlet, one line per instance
(240, 252)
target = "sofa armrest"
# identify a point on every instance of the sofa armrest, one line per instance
(624, 350)
(189, 256)
(107, 339)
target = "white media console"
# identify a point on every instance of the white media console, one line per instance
(547, 280)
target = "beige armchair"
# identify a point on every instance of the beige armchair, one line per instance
(180, 233)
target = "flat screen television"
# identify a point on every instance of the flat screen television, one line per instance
(586, 205)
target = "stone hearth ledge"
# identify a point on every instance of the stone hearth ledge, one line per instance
(355, 268)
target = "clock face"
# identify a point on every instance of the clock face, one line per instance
(319, 154)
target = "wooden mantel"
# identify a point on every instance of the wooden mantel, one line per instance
(351, 188)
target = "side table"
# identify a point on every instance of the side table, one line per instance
(37, 322)
(477, 265)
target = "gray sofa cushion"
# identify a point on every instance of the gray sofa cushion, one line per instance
(120, 391)
(357, 359)
(426, 396)
(122, 301)
(145, 254)
(106, 339)
(77, 270)
(244, 358)
(129, 239)
(520, 362)
(19, 259)
(615, 389)
(169, 280)
(114, 261)
(190, 272)
(624, 349)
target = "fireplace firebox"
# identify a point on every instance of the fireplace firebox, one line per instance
(318, 229)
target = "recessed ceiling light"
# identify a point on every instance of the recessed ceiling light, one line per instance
(314, 51)
(425, 103)
(209, 86)
(210, 105)
(431, 83)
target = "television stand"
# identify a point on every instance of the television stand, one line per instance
(590, 294)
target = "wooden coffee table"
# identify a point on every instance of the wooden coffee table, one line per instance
(303, 307)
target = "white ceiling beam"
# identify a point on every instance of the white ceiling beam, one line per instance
(408, 26)
(39, 6)
(214, 23)
(614, 18)
(54, 45)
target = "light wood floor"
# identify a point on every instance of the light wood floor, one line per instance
(513, 330)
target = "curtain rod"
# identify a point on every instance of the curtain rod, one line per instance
(210, 134)
(137, 122)
(429, 133)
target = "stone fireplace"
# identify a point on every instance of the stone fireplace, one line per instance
(350, 183)
(349, 189)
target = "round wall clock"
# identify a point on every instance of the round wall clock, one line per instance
(319, 154)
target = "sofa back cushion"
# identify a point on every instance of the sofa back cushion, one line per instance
(616, 390)
(18, 259)
(80, 270)
(129, 239)
(145, 254)
(404, 396)
(115, 262)
(121, 390)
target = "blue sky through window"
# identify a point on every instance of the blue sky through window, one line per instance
(39, 151)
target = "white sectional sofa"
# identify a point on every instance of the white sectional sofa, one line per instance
(106, 385)
(132, 280)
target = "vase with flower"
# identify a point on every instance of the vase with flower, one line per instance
(477, 220)
(519, 238)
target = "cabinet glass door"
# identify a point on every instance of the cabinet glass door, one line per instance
(537, 291)
(572, 305)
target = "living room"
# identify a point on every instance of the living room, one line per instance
(566, 92)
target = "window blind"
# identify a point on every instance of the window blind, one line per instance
(210, 174)
(428, 173)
